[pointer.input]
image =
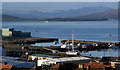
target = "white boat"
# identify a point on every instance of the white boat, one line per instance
(113, 46)
(46, 21)
(64, 46)
(72, 52)
(70, 47)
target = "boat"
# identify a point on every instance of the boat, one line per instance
(64, 46)
(70, 47)
(86, 55)
(113, 46)
(46, 21)
(72, 52)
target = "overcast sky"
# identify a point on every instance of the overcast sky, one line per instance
(60, 0)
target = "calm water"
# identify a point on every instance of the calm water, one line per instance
(2, 51)
(83, 30)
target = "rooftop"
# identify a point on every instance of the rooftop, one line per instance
(3, 66)
(14, 62)
(43, 55)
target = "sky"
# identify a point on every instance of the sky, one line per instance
(54, 6)
(60, 0)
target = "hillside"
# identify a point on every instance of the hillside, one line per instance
(112, 14)
(9, 17)
(58, 13)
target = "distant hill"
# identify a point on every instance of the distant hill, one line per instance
(14, 18)
(5, 17)
(104, 15)
(58, 14)
(112, 14)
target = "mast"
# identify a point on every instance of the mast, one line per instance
(72, 42)
(68, 45)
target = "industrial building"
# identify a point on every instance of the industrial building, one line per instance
(10, 32)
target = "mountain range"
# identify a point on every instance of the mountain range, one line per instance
(111, 14)
(82, 13)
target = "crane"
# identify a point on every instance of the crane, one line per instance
(110, 40)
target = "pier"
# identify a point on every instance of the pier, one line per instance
(82, 41)
(31, 40)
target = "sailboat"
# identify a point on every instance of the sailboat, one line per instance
(72, 52)
(46, 21)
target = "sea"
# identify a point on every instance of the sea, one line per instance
(82, 30)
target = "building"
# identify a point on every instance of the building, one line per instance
(81, 66)
(40, 57)
(13, 63)
(10, 32)
(5, 66)
(48, 62)
(7, 32)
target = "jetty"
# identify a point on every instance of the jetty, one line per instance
(82, 41)
(31, 40)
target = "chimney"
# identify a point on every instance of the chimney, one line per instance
(5, 63)
(88, 67)
(61, 63)
(51, 64)
(35, 65)
(81, 66)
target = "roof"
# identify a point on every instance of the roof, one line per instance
(55, 66)
(3, 66)
(12, 61)
(94, 65)
(107, 65)
(65, 66)
(103, 59)
(107, 59)
(68, 66)
(44, 55)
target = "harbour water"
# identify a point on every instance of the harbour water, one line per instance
(83, 30)
(2, 51)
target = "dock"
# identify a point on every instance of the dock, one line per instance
(82, 41)
(31, 40)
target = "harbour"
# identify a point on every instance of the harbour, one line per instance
(59, 36)
(44, 52)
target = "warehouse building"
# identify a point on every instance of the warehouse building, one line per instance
(10, 32)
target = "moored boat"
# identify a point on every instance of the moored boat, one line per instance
(113, 46)
(72, 52)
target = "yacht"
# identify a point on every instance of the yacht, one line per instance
(72, 52)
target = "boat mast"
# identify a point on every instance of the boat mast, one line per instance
(68, 45)
(72, 42)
